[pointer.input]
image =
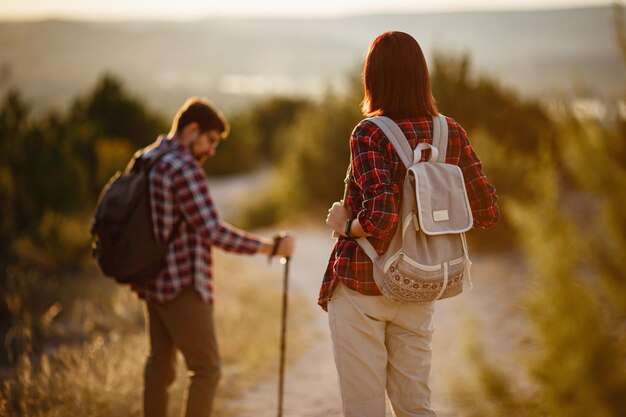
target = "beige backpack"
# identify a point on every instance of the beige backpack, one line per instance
(427, 258)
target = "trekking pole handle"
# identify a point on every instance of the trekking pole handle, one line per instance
(277, 239)
(346, 182)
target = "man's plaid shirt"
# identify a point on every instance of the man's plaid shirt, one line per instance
(179, 193)
(374, 192)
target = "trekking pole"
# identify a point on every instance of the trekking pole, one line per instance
(283, 338)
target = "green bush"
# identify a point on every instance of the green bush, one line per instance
(112, 155)
(573, 234)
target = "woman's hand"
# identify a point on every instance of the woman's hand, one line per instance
(337, 217)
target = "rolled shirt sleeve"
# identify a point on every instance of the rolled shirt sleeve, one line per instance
(378, 214)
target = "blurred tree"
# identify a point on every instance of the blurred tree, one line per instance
(54, 166)
(507, 132)
(482, 103)
(110, 111)
(112, 155)
(255, 136)
(113, 112)
(13, 124)
(316, 154)
(240, 152)
(321, 151)
(270, 118)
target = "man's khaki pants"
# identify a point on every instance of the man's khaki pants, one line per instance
(186, 323)
(381, 346)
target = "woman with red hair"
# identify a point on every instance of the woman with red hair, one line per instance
(382, 346)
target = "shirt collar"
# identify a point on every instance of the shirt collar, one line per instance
(170, 141)
(173, 141)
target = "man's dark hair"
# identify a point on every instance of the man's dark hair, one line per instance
(203, 112)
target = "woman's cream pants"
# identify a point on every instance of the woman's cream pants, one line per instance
(381, 346)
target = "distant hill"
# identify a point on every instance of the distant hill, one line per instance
(234, 61)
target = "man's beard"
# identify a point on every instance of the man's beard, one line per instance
(202, 157)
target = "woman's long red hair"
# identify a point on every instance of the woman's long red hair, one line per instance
(395, 78)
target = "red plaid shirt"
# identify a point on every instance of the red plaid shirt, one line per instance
(374, 192)
(179, 192)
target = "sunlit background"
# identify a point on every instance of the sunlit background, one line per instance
(192, 9)
(236, 51)
(538, 85)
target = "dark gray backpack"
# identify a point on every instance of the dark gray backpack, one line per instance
(123, 242)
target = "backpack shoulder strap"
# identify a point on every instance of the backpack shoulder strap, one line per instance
(396, 137)
(440, 136)
(394, 134)
(367, 247)
(158, 154)
(142, 161)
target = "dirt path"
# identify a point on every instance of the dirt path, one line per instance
(311, 382)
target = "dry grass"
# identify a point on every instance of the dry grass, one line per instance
(92, 343)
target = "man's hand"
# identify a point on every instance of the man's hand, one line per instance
(285, 247)
(337, 217)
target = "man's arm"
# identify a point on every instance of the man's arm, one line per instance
(195, 203)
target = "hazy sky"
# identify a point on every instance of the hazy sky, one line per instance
(189, 9)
